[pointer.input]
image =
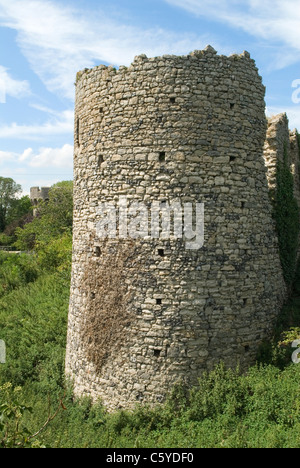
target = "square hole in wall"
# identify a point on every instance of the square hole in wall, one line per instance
(232, 158)
(78, 132)
(100, 160)
(156, 352)
(161, 252)
(158, 301)
(162, 156)
(172, 100)
(97, 251)
(232, 104)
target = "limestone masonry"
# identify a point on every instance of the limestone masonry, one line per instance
(146, 313)
(37, 194)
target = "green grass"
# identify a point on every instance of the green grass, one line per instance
(260, 409)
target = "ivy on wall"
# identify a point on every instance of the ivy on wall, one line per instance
(286, 214)
(298, 141)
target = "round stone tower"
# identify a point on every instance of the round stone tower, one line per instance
(163, 142)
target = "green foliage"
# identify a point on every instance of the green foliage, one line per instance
(26, 236)
(56, 254)
(20, 215)
(55, 219)
(8, 194)
(12, 409)
(13, 432)
(220, 392)
(5, 240)
(33, 324)
(277, 350)
(59, 208)
(286, 214)
(19, 208)
(16, 271)
(226, 408)
(298, 140)
(14, 211)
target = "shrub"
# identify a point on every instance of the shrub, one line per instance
(33, 324)
(5, 240)
(12, 409)
(286, 214)
(220, 391)
(56, 254)
(16, 271)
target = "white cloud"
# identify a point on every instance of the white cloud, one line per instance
(59, 124)
(12, 87)
(51, 157)
(274, 21)
(25, 155)
(6, 156)
(59, 41)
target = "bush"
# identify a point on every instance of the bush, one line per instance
(13, 431)
(12, 409)
(33, 324)
(16, 271)
(5, 240)
(220, 392)
(56, 254)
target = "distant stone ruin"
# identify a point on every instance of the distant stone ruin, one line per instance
(37, 195)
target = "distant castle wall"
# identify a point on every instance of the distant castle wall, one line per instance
(146, 312)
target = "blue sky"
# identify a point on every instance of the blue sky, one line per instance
(43, 43)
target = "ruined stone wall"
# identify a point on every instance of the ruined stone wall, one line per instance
(146, 313)
(39, 194)
(282, 143)
(279, 139)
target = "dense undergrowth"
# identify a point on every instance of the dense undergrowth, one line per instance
(259, 409)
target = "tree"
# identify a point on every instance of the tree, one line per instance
(58, 210)
(9, 190)
(19, 208)
(55, 219)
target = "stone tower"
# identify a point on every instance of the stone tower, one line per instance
(37, 195)
(146, 311)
